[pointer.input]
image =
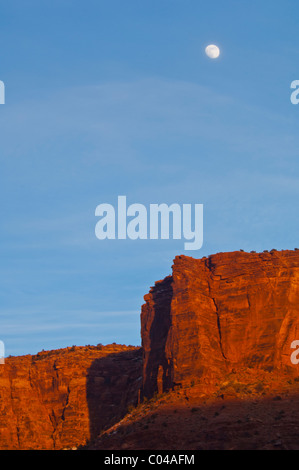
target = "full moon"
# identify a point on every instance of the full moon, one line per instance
(212, 51)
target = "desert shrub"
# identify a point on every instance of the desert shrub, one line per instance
(131, 408)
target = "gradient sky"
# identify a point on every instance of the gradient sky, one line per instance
(108, 98)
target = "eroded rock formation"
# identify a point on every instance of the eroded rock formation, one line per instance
(227, 320)
(226, 311)
(63, 398)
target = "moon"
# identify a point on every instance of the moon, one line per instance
(213, 51)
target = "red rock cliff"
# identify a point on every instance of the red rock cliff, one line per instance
(63, 398)
(227, 311)
(231, 311)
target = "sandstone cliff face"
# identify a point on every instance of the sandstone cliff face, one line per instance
(226, 321)
(63, 398)
(227, 311)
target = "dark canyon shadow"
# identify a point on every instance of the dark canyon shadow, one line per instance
(114, 381)
(112, 385)
(157, 367)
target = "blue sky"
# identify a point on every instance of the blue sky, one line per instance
(108, 98)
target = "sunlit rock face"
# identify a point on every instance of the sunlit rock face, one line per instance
(64, 398)
(219, 313)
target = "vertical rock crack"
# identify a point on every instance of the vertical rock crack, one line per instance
(219, 329)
